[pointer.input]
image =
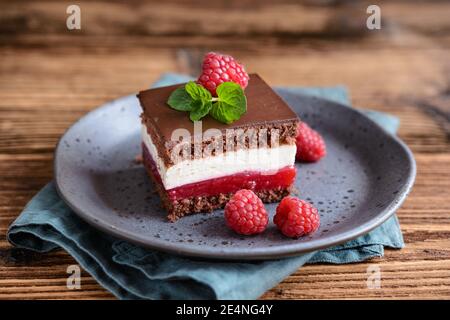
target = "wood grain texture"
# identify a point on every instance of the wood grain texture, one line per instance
(49, 77)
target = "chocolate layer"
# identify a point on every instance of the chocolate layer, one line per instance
(265, 111)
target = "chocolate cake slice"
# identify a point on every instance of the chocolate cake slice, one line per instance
(198, 166)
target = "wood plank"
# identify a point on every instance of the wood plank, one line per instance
(244, 18)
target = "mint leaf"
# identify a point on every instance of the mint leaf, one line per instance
(180, 100)
(231, 103)
(197, 92)
(200, 108)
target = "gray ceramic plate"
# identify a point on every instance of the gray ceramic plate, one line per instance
(357, 186)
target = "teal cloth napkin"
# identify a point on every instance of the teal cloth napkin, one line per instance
(132, 272)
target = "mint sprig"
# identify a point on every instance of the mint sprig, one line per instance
(180, 100)
(229, 105)
(197, 92)
(200, 109)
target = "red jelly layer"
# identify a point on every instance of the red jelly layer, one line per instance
(256, 181)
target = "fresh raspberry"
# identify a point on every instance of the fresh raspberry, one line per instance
(245, 213)
(218, 68)
(310, 144)
(296, 218)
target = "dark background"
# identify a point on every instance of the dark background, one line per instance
(50, 76)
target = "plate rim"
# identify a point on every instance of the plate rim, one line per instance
(265, 253)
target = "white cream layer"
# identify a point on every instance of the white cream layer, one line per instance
(194, 170)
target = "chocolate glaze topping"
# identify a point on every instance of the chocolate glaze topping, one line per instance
(263, 106)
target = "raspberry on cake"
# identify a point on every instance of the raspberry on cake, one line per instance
(218, 68)
(198, 166)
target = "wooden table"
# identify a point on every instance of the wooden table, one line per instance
(50, 76)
